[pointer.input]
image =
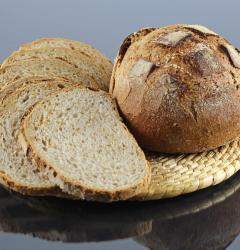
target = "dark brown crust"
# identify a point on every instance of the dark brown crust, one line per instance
(78, 190)
(199, 111)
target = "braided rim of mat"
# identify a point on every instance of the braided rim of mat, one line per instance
(174, 175)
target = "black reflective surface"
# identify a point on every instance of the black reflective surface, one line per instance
(209, 219)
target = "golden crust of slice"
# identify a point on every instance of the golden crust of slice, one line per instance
(9, 183)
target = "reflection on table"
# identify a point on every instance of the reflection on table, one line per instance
(202, 220)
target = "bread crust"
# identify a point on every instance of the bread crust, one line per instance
(74, 187)
(177, 88)
(9, 183)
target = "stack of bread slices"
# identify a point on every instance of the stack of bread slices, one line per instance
(60, 131)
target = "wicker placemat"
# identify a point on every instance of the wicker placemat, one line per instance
(180, 174)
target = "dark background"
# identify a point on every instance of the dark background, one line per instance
(103, 24)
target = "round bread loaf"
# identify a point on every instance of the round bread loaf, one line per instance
(178, 88)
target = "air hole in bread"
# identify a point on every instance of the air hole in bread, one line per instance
(44, 142)
(25, 98)
(61, 86)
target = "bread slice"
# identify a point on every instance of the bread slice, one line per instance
(97, 57)
(20, 83)
(78, 137)
(74, 57)
(51, 68)
(16, 172)
(67, 43)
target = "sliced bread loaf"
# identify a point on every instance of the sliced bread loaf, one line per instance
(16, 172)
(51, 68)
(78, 137)
(74, 57)
(97, 57)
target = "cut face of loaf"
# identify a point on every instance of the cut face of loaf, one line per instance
(22, 82)
(16, 172)
(67, 43)
(98, 58)
(76, 58)
(51, 68)
(78, 137)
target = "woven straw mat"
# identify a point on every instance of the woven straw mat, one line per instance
(174, 175)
